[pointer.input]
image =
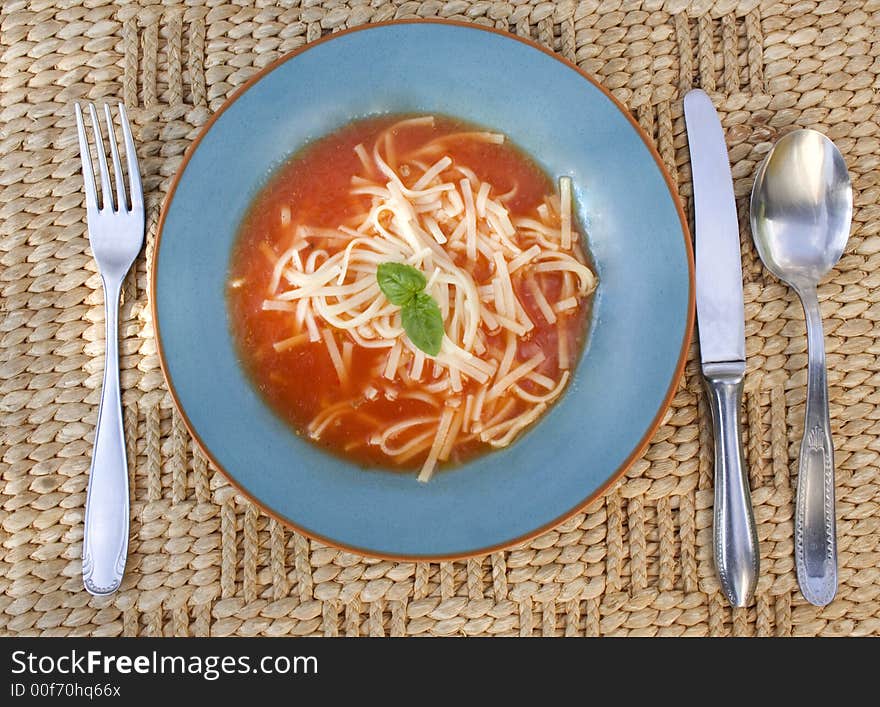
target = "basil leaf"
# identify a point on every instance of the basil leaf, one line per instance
(423, 323)
(402, 285)
(399, 282)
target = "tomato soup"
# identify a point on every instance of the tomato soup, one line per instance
(325, 347)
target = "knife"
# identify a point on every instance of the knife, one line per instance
(721, 325)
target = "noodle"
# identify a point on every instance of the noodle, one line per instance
(509, 286)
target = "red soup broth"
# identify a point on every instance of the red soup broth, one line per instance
(299, 383)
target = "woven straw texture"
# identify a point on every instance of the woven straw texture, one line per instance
(203, 560)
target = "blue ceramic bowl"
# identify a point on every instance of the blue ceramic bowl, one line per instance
(642, 313)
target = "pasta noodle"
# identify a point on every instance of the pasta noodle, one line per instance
(502, 262)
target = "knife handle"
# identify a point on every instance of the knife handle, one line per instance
(735, 539)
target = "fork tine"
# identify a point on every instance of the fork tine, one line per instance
(106, 193)
(121, 202)
(86, 159)
(134, 173)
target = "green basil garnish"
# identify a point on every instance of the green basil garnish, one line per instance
(423, 323)
(402, 284)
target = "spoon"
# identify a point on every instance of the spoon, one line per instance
(801, 212)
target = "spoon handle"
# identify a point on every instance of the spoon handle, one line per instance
(815, 534)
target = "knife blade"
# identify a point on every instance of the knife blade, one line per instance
(721, 326)
(720, 306)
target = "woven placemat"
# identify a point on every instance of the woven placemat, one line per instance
(203, 560)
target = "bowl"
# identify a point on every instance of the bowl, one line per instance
(642, 312)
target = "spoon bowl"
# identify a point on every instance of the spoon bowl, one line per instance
(801, 208)
(801, 213)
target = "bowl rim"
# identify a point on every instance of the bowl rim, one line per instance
(579, 506)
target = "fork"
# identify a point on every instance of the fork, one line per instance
(116, 234)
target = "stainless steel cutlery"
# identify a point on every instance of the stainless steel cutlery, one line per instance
(801, 209)
(116, 234)
(721, 326)
(801, 212)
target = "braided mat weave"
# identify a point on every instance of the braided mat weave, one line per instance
(203, 560)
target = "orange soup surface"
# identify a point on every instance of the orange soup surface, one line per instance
(301, 382)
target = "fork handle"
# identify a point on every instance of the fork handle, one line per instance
(105, 541)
